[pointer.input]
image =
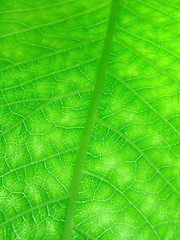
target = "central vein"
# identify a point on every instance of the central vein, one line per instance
(91, 119)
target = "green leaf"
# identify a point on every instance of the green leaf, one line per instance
(89, 105)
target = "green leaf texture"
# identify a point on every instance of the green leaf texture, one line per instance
(75, 163)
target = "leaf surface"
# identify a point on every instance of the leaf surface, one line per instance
(51, 57)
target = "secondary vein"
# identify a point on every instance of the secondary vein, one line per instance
(91, 119)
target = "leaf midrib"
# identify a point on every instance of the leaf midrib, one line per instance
(91, 119)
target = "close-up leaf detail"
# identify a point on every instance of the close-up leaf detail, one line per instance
(89, 120)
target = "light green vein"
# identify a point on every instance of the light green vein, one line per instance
(149, 41)
(156, 8)
(21, 214)
(39, 161)
(52, 53)
(91, 119)
(169, 3)
(84, 233)
(45, 104)
(145, 58)
(53, 22)
(38, 8)
(144, 101)
(127, 199)
(52, 73)
(108, 126)
(147, 19)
